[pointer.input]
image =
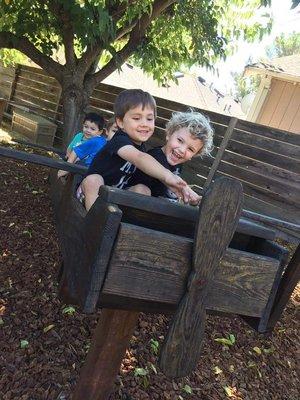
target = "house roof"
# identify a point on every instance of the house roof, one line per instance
(190, 90)
(288, 66)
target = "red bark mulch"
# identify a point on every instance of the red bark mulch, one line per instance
(44, 344)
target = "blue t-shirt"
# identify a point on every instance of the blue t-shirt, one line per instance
(77, 140)
(87, 150)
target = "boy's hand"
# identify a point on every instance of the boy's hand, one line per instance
(61, 173)
(181, 189)
(193, 197)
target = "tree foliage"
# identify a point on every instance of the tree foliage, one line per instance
(284, 45)
(160, 35)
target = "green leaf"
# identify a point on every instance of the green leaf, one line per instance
(140, 372)
(1, 321)
(154, 346)
(229, 391)
(48, 328)
(257, 350)
(24, 343)
(187, 389)
(153, 368)
(69, 310)
(217, 370)
(269, 351)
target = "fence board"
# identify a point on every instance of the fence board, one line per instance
(290, 164)
(281, 148)
(269, 132)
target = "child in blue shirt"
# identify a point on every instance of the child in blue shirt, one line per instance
(86, 144)
(93, 125)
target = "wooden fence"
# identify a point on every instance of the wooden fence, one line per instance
(265, 160)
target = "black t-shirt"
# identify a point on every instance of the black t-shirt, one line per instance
(158, 189)
(115, 170)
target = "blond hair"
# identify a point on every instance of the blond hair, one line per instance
(198, 126)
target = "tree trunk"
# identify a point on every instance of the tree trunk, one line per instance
(75, 97)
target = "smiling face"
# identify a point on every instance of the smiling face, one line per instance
(90, 129)
(181, 146)
(138, 123)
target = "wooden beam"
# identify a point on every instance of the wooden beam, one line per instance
(42, 160)
(163, 215)
(288, 283)
(222, 148)
(218, 217)
(148, 271)
(110, 340)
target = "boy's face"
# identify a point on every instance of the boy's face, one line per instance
(90, 129)
(138, 123)
(112, 130)
(181, 146)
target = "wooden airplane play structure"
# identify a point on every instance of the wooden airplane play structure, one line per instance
(133, 253)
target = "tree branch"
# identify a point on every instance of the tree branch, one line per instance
(10, 41)
(67, 30)
(136, 35)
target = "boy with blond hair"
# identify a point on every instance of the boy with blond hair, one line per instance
(188, 134)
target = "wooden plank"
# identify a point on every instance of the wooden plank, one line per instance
(218, 217)
(27, 96)
(275, 146)
(268, 131)
(42, 160)
(281, 254)
(217, 160)
(269, 209)
(144, 271)
(38, 75)
(32, 106)
(272, 187)
(288, 283)
(256, 166)
(162, 215)
(290, 164)
(292, 110)
(41, 86)
(47, 94)
(102, 224)
(110, 340)
(271, 221)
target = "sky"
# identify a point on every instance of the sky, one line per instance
(285, 21)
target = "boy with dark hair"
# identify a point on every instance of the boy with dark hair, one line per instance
(135, 112)
(86, 144)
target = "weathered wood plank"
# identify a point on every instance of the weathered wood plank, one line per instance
(42, 160)
(262, 142)
(256, 166)
(220, 153)
(288, 283)
(218, 217)
(109, 342)
(281, 254)
(144, 268)
(156, 214)
(102, 224)
(267, 131)
(290, 164)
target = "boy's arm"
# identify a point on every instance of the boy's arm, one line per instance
(150, 166)
(72, 158)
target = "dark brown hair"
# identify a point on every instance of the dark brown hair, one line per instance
(132, 98)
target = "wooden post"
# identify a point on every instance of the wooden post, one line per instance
(222, 148)
(288, 283)
(218, 217)
(110, 340)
